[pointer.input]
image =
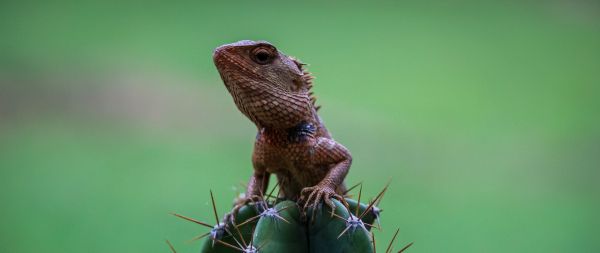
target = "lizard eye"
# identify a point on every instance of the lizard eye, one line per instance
(262, 56)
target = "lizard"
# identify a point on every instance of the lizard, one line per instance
(273, 90)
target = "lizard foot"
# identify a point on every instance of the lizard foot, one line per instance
(229, 218)
(313, 196)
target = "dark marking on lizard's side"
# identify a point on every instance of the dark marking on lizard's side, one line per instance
(259, 134)
(301, 132)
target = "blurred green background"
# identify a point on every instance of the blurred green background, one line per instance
(485, 114)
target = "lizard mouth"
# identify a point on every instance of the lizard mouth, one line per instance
(224, 64)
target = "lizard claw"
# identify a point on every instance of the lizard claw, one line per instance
(230, 217)
(313, 196)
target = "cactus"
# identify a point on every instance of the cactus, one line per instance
(278, 225)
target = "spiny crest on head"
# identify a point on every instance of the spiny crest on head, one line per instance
(307, 78)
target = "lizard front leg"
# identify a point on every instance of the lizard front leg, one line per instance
(337, 158)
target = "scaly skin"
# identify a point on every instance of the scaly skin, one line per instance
(273, 91)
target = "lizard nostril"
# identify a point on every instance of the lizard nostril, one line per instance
(220, 51)
(217, 52)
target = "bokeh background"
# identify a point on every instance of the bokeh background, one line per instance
(485, 115)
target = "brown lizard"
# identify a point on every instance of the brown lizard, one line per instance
(273, 91)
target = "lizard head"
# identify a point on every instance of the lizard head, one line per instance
(259, 61)
(269, 87)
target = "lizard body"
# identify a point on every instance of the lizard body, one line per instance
(273, 91)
